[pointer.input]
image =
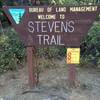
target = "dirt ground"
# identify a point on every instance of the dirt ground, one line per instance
(53, 84)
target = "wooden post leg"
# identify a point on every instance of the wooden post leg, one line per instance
(71, 74)
(31, 66)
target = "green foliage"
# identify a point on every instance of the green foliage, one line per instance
(91, 49)
(74, 2)
(52, 52)
(1, 15)
(44, 1)
(64, 2)
(1, 3)
(11, 51)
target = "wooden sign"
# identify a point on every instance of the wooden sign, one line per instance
(52, 25)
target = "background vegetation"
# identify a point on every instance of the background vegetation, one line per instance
(12, 51)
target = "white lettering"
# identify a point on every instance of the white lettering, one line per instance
(46, 39)
(40, 40)
(51, 26)
(57, 27)
(31, 26)
(37, 25)
(43, 26)
(71, 28)
(59, 38)
(64, 27)
(53, 40)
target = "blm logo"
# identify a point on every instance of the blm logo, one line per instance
(17, 14)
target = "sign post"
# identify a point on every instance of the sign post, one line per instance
(52, 26)
(30, 64)
(73, 58)
(71, 75)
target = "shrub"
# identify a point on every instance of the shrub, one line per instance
(90, 48)
(11, 51)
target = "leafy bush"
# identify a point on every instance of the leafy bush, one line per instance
(11, 51)
(64, 2)
(90, 49)
(52, 52)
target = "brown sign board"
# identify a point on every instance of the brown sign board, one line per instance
(52, 25)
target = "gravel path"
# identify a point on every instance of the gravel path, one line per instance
(53, 85)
